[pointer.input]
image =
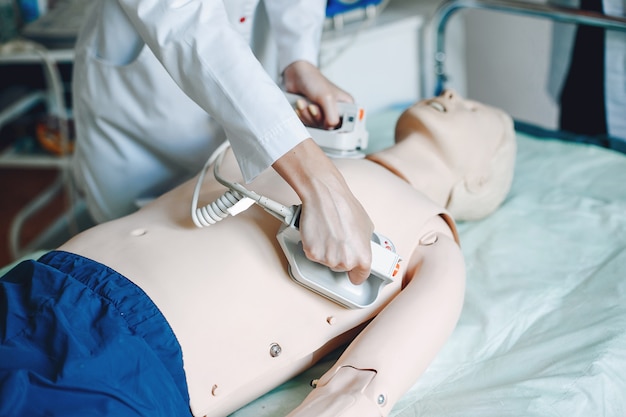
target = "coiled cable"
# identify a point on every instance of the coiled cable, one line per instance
(218, 209)
(235, 200)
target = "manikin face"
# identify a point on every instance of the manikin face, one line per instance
(455, 125)
(468, 144)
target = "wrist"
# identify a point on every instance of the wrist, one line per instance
(309, 171)
(294, 73)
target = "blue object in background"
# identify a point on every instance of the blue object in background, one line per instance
(336, 7)
(31, 10)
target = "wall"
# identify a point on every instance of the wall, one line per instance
(493, 57)
(507, 63)
(379, 65)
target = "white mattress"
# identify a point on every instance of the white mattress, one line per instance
(543, 330)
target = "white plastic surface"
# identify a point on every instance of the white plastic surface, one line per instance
(336, 286)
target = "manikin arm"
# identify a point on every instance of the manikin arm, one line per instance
(386, 359)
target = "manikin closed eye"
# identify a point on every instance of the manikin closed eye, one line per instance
(437, 106)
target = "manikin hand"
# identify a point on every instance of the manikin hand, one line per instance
(335, 229)
(343, 396)
(302, 77)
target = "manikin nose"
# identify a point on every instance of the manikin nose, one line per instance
(449, 94)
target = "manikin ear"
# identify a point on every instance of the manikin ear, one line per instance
(480, 193)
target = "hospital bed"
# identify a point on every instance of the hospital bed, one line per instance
(543, 329)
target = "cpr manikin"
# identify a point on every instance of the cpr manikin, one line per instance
(245, 327)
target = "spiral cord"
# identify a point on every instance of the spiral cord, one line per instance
(218, 209)
(235, 200)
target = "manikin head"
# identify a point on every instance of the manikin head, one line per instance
(459, 152)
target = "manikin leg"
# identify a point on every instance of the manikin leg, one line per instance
(389, 355)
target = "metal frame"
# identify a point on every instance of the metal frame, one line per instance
(27, 54)
(559, 14)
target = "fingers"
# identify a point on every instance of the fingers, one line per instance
(330, 108)
(359, 275)
(322, 95)
(324, 115)
(356, 263)
(331, 113)
(310, 113)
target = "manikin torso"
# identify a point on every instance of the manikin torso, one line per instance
(227, 295)
(225, 289)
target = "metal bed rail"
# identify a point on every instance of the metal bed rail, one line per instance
(559, 14)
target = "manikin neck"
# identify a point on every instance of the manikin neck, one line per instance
(419, 162)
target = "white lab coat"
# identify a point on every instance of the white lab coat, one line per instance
(149, 72)
(614, 61)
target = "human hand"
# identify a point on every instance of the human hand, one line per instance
(304, 78)
(335, 229)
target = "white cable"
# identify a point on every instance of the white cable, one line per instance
(220, 208)
(281, 212)
(235, 200)
(203, 216)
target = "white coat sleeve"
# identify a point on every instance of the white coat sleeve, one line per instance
(297, 27)
(215, 67)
